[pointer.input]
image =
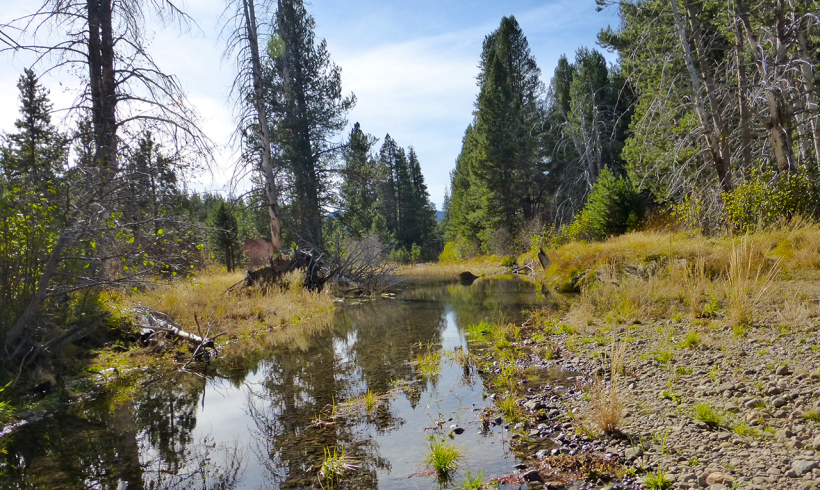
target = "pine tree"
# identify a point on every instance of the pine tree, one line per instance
(309, 110)
(358, 189)
(387, 205)
(37, 150)
(509, 121)
(152, 182)
(225, 234)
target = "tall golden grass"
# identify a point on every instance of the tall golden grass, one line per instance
(651, 275)
(240, 315)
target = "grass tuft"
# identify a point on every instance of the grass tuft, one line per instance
(442, 457)
(607, 404)
(472, 481)
(709, 416)
(657, 480)
(335, 465)
(691, 341)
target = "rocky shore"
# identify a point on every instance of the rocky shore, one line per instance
(714, 409)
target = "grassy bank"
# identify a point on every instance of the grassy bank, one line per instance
(251, 320)
(448, 272)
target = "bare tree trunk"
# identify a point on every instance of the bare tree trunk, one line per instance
(812, 106)
(103, 86)
(271, 191)
(776, 123)
(743, 104)
(713, 139)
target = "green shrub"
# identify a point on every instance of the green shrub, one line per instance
(400, 255)
(767, 198)
(458, 250)
(614, 207)
(509, 261)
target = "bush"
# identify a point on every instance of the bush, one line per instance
(767, 198)
(614, 207)
(458, 250)
(400, 255)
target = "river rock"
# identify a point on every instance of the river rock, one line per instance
(719, 477)
(532, 476)
(801, 467)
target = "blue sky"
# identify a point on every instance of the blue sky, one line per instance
(412, 66)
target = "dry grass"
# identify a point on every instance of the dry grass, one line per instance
(747, 281)
(608, 405)
(242, 315)
(645, 276)
(424, 274)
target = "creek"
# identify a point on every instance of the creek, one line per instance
(266, 420)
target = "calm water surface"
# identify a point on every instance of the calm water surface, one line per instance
(262, 421)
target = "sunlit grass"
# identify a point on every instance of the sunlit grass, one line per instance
(472, 481)
(428, 364)
(269, 317)
(709, 416)
(442, 457)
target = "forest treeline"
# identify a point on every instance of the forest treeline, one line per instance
(709, 118)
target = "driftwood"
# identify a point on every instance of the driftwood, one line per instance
(154, 322)
(316, 271)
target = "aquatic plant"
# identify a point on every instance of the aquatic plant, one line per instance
(472, 481)
(429, 364)
(442, 457)
(480, 331)
(335, 465)
(509, 408)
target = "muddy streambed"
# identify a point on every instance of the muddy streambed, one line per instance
(267, 420)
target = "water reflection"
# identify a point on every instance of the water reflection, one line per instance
(265, 423)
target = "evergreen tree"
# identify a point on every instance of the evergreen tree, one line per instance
(225, 234)
(309, 110)
(387, 205)
(37, 150)
(358, 189)
(500, 175)
(152, 183)
(509, 121)
(421, 214)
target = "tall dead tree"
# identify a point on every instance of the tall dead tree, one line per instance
(250, 94)
(124, 92)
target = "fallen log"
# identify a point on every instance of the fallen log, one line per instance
(155, 322)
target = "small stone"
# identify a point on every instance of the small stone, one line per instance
(801, 467)
(753, 403)
(778, 402)
(458, 430)
(782, 371)
(633, 452)
(815, 444)
(718, 486)
(719, 477)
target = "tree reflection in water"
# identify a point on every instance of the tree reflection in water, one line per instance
(147, 435)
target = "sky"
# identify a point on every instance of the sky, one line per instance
(411, 64)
